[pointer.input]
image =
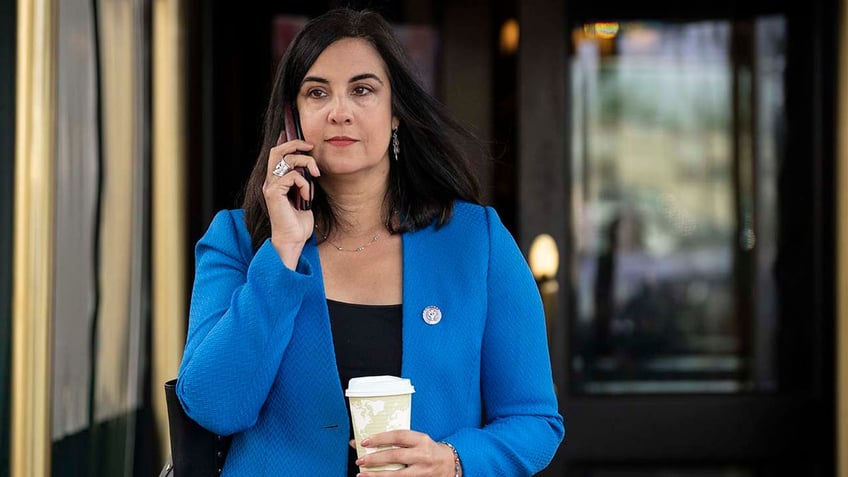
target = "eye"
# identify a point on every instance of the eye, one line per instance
(362, 90)
(316, 93)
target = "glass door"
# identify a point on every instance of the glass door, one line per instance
(677, 128)
(698, 283)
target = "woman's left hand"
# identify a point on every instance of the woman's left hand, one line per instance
(422, 456)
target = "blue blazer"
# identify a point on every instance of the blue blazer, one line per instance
(259, 360)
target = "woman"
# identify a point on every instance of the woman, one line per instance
(395, 270)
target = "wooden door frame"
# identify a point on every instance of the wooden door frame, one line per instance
(543, 125)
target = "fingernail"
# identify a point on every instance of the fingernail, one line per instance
(366, 442)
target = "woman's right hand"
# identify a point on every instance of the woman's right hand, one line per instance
(290, 227)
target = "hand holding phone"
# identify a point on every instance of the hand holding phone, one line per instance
(293, 131)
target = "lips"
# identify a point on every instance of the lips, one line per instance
(341, 141)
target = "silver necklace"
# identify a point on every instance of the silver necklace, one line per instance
(342, 249)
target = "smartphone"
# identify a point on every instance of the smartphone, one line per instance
(293, 131)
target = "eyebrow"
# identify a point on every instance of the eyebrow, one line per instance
(318, 79)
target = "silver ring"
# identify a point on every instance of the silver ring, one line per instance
(282, 168)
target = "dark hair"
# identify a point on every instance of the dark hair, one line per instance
(432, 172)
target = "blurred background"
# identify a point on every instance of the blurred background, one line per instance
(675, 173)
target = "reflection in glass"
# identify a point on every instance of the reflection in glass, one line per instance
(676, 142)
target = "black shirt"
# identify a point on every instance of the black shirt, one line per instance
(368, 342)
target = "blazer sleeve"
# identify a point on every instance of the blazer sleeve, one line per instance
(523, 427)
(241, 318)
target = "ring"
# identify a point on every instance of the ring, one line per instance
(282, 168)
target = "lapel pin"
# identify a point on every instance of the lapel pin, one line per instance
(432, 315)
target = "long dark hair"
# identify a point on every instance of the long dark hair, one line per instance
(433, 170)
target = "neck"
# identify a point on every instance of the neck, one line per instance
(359, 204)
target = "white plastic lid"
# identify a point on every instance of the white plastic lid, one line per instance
(368, 386)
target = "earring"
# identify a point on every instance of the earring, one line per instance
(395, 144)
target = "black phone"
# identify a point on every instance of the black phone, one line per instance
(293, 131)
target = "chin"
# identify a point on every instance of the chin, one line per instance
(348, 166)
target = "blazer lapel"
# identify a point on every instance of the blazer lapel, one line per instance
(428, 290)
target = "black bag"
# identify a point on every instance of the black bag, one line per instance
(195, 451)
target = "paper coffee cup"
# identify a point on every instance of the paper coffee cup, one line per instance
(378, 404)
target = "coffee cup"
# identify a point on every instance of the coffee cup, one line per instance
(378, 404)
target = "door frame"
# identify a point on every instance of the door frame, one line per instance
(842, 250)
(32, 299)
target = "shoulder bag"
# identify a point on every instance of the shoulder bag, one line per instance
(195, 451)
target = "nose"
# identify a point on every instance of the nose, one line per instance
(341, 113)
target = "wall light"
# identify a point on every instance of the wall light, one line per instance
(544, 263)
(602, 30)
(544, 257)
(509, 37)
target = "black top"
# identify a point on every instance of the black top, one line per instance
(368, 342)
